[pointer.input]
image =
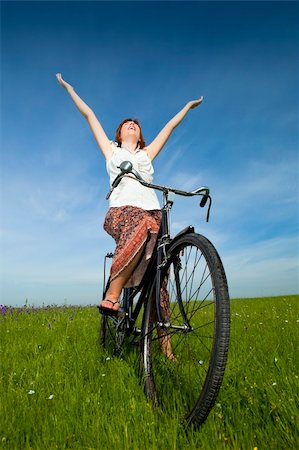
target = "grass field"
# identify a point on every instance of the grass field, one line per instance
(60, 391)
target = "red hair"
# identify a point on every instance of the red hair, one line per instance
(141, 142)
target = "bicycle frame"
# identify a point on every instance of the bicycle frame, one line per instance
(152, 275)
(159, 256)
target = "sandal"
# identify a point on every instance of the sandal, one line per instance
(110, 311)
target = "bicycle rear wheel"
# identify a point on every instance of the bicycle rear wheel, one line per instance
(114, 330)
(194, 332)
(112, 333)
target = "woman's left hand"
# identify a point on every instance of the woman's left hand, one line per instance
(194, 103)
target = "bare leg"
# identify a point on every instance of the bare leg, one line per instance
(165, 343)
(119, 282)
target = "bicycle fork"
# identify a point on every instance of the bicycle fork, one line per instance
(165, 324)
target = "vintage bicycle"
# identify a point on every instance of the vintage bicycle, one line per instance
(183, 340)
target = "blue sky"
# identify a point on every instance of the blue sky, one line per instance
(146, 60)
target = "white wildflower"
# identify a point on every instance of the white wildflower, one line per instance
(51, 397)
(31, 392)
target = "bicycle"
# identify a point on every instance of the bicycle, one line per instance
(193, 323)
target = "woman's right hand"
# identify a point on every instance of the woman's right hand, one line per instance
(62, 82)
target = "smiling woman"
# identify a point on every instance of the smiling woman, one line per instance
(132, 125)
(134, 216)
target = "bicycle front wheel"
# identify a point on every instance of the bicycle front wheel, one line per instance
(184, 356)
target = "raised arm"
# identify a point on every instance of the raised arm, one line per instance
(158, 143)
(96, 128)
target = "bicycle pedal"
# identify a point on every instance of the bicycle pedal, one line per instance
(112, 313)
(121, 312)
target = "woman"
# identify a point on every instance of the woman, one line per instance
(134, 215)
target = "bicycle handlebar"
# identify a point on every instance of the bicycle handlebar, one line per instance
(127, 171)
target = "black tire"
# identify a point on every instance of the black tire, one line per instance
(188, 386)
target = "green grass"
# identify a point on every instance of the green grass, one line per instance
(98, 403)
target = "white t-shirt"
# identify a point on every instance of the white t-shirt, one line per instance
(131, 192)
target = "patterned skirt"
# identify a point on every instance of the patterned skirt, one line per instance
(132, 228)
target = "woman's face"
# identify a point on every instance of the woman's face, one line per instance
(129, 129)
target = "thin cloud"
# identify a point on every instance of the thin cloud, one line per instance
(269, 267)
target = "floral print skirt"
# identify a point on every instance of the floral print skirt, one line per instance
(132, 228)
